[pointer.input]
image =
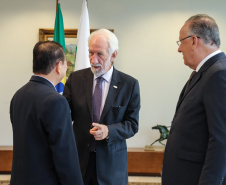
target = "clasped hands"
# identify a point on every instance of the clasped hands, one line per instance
(99, 131)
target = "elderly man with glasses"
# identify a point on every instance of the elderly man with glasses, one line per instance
(195, 153)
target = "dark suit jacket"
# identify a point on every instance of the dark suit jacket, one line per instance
(44, 148)
(120, 114)
(196, 148)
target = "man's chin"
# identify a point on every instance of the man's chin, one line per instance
(96, 72)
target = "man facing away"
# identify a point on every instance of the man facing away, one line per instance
(105, 106)
(195, 152)
(44, 148)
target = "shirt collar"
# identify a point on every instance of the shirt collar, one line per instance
(205, 59)
(107, 76)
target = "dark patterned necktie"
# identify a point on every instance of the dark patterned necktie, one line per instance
(189, 81)
(97, 100)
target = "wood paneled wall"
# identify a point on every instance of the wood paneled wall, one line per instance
(140, 162)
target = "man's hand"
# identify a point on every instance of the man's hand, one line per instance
(99, 131)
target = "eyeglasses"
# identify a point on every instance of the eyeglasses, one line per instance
(179, 41)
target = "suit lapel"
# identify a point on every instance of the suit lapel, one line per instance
(114, 89)
(195, 79)
(198, 75)
(181, 96)
(88, 89)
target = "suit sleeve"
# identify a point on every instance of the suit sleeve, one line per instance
(58, 125)
(67, 93)
(214, 169)
(128, 127)
(11, 111)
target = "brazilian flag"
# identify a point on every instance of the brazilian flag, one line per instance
(60, 38)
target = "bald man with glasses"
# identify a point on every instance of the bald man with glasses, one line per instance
(195, 153)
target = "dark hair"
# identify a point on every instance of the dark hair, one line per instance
(205, 27)
(46, 55)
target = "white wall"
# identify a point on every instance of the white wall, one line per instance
(147, 31)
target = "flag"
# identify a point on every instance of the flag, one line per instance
(60, 38)
(82, 50)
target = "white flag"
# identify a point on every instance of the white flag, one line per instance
(82, 54)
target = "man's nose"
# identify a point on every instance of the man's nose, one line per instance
(94, 59)
(179, 50)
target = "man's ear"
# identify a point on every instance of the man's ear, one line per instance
(58, 67)
(114, 55)
(195, 42)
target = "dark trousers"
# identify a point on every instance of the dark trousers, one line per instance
(91, 173)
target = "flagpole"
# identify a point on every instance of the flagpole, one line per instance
(56, 4)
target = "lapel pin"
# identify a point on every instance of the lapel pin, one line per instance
(115, 86)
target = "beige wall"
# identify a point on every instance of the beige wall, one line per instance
(147, 31)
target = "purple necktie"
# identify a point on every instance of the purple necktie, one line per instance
(97, 99)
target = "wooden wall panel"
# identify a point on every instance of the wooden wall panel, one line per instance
(6, 157)
(140, 162)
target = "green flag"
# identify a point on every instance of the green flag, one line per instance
(60, 38)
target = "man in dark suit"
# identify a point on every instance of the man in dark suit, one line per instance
(195, 152)
(102, 150)
(44, 148)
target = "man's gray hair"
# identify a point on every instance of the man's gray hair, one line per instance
(110, 37)
(204, 27)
